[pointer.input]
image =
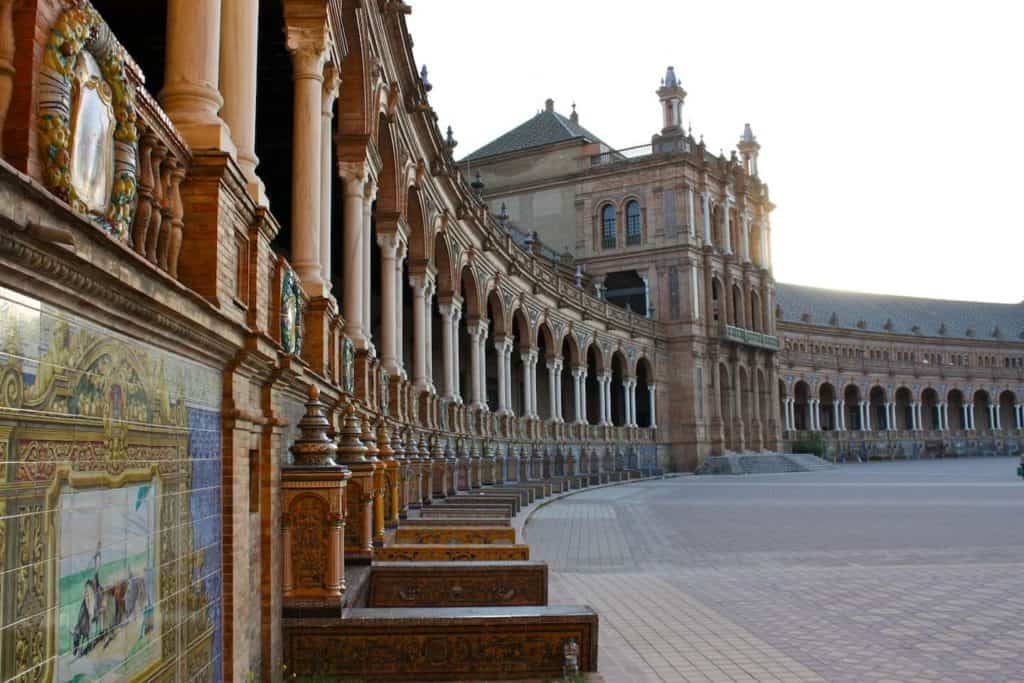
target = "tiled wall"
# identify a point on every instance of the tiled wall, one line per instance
(110, 525)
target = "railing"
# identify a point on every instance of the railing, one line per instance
(666, 146)
(750, 337)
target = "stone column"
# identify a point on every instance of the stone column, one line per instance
(837, 416)
(745, 244)
(192, 74)
(477, 338)
(692, 212)
(421, 284)
(447, 349)
(727, 230)
(428, 340)
(965, 412)
(529, 359)
(330, 93)
(1019, 415)
(705, 206)
(239, 31)
(390, 302)
(355, 281)
(509, 343)
(606, 399)
(456, 357)
(308, 51)
(652, 396)
(555, 390)
(368, 199)
(400, 310)
(503, 403)
(579, 377)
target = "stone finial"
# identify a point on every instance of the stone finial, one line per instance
(477, 184)
(314, 448)
(369, 440)
(916, 329)
(805, 317)
(943, 330)
(574, 116)
(970, 331)
(670, 80)
(888, 326)
(449, 139)
(549, 105)
(397, 447)
(997, 333)
(748, 134)
(384, 451)
(862, 324)
(427, 87)
(834, 319)
(351, 449)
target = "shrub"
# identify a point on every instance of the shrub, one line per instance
(811, 443)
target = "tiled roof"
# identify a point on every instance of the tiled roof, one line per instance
(900, 314)
(546, 128)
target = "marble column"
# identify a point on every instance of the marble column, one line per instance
(727, 229)
(529, 360)
(554, 389)
(330, 93)
(390, 302)
(191, 95)
(606, 399)
(428, 340)
(579, 377)
(355, 281)
(456, 357)
(368, 198)
(308, 55)
(477, 359)
(705, 205)
(421, 284)
(239, 32)
(692, 212)
(400, 309)
(745, 237)
(447, 349)
(503, 404)
(652, 398)
(509, 343)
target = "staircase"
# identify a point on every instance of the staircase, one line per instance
(762, 463)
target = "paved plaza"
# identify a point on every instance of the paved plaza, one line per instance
(897, 571)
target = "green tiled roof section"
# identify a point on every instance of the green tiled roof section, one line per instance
(546, 128)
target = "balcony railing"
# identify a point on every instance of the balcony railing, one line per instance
(750, 337)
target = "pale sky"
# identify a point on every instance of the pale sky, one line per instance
(890, 131)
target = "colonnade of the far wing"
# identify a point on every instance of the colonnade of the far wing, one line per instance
(210, 95)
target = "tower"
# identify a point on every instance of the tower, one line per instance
(672, 96)
(748, 150)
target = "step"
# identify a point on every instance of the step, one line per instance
(442, 643)
(454, 522)
(458, 584)
(467, 552)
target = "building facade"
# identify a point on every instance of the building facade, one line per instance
(211, 210)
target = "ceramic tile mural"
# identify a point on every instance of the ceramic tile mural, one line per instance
(110, 506)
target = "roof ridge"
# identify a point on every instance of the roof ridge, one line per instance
(854, 292)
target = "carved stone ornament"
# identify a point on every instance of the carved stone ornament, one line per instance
(348, 366)
(314, 448)
(291, 312)
(87, 133)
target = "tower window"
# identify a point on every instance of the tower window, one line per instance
(633, 223)
(608, 227)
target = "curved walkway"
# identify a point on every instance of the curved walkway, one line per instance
(897, 571)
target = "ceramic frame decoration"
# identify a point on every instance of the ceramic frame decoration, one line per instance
(81, 29)
(291, 312)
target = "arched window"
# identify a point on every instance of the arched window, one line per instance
(608, 227)
(633, 223)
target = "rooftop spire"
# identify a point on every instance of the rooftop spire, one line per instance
(671, 95)
(574, 117)
(549, 105)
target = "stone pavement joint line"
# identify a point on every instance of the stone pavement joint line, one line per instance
(889, 571)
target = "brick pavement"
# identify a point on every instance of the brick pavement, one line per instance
(905, 571)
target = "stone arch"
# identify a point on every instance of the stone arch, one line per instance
(955, 409)
(472, 305)
(852, 399)
(591, 397)
(620, 372)
(982, 419)
(416, 217)
(904, 399)
(442, 262)
(736, 310)
(801, 406)
(571, 354)
(546, 353)
(1007, 405)
(355, 118)
(388, 180)
(826, 406)
(756, 321)
(878, 400)
(929, 408)
(644, 378)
